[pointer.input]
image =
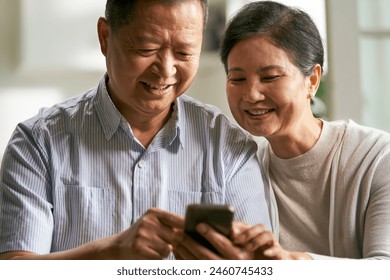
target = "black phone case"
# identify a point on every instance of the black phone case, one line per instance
(219, 217)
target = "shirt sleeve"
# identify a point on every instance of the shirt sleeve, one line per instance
(26, 221)
(245, 187)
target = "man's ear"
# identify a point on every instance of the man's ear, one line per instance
(103, 30)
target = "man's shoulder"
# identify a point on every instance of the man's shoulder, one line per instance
(199, 106)
(209, 123)
(195, 109)
(74, 107)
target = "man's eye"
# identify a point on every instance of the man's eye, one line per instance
(184, 56)
(147, 51)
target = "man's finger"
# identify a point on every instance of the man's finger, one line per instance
(167, 218)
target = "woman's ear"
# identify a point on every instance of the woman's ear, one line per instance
(103, 30)
(315, 79)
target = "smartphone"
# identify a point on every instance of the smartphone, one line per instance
(220, 217)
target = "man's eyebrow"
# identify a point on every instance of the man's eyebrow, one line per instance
(146, 38)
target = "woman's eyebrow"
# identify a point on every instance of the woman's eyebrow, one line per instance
(261, 69)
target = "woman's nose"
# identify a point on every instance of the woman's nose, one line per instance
(253, 92)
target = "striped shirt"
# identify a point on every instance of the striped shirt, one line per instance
(75, 172)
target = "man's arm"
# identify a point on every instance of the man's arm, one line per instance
(151, 237)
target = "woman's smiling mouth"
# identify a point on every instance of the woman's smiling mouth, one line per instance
(259, 112)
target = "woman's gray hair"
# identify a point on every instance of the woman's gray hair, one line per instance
(289, 28)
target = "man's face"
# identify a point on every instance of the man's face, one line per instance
(154, 58)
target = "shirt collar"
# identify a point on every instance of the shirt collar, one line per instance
(172, 131)
(178, 118)
(110, 118)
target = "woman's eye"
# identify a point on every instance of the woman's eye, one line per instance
(236, 80)
(270, 78)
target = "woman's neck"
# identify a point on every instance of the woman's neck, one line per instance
(298, 140)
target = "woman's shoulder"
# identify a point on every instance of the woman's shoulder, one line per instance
(363, 132)
(355, 130)
(362, 140)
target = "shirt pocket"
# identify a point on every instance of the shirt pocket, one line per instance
(82, 214)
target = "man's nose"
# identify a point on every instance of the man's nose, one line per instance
(166, 63)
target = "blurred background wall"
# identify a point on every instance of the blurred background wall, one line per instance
(49, 52)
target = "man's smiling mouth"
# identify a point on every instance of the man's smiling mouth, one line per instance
(157, 87)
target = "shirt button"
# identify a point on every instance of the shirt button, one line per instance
(141, 164)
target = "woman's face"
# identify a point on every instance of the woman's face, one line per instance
(267, 94)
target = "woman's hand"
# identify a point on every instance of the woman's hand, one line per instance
(246, 243)
(187, 248)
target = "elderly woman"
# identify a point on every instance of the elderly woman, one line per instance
(330, 180)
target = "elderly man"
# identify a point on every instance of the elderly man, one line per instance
(108, 175)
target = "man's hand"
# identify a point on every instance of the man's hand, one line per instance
(151, 237)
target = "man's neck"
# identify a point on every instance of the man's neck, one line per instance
(146, 129)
